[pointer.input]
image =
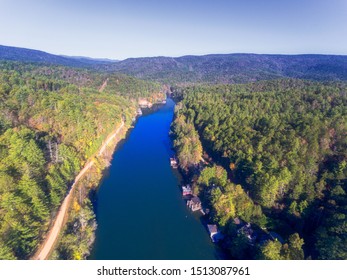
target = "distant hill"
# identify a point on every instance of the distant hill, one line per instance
(90, 59)
(214, 68)
(234, 68)
(29, 55)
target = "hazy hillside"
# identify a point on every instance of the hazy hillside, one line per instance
(215, 68)
(29, 55)
(234, 68)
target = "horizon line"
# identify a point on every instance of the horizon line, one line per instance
(168, 56)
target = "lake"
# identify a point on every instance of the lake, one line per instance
(139, 207)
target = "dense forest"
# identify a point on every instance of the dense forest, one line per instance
(52, 120)
(279, 151)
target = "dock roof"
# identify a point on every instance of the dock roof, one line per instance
(212, 229)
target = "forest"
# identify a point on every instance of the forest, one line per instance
(279, 151)
(52, 120)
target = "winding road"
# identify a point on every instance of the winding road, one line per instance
(52, 236)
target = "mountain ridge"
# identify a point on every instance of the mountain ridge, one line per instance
(210, 68)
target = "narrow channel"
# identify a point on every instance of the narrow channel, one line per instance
(140, 211)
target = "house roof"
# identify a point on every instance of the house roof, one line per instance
(212, 228)
(195, 199)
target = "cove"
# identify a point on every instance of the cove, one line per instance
(139, 207)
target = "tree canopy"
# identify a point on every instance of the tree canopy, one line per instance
(283, 144)
(52, 120)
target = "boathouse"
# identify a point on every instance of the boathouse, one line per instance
(187, 190)
(194, 204)
(214, 233)
(173, 162)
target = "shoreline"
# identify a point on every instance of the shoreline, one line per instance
(106, 153)
(188, 176)
(53, 235)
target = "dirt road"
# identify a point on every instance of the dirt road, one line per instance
(51, 238)
(101, 89)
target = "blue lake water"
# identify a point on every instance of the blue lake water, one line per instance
(140, 211)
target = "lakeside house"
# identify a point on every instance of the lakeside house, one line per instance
(255, 235)
(194, 204)
(248, 232)
(187, 190)
(214, 233)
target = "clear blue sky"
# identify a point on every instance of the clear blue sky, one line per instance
(135, 28)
